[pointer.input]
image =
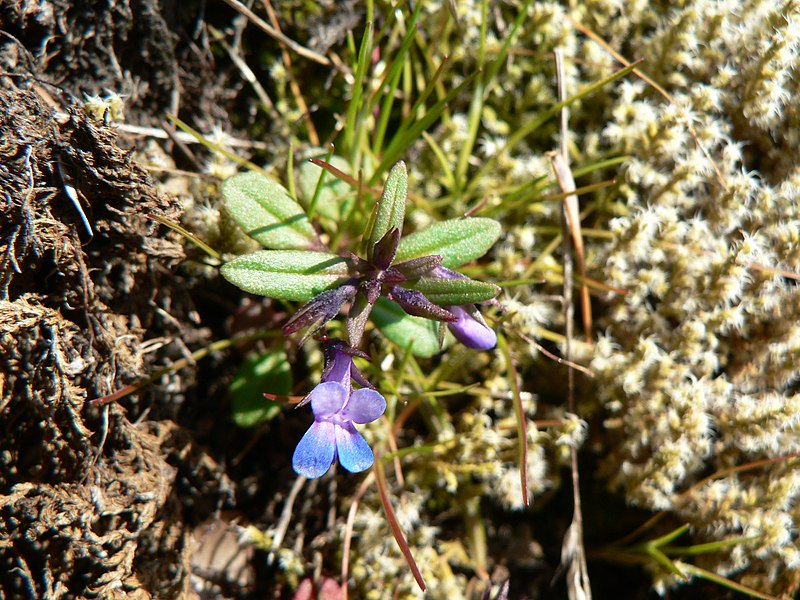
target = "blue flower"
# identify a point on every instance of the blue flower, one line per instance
(336, 408)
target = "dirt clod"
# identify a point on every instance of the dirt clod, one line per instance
(87, 498)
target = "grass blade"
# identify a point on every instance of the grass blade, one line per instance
(405, 138)
(217, 148)
(528, 128)
(352, 126)
(519, 412)
(395, 526)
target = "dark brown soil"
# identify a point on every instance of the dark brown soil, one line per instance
(96, 501)
(133, 499)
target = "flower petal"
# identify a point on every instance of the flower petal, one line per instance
(327, 398)
(355, 455)
(365, 405)
(315, 453)
(471, 332)
(337, 367)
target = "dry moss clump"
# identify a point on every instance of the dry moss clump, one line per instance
(84, 492)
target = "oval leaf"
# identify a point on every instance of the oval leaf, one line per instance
(391, 209)
(335, 196)
(457, 241)
(450, 292)
(286, 274)
(266, 212)
(268, 372)
(404, 330)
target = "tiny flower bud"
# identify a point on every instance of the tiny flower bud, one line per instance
(318, 311)
(415, 303)
(470, 329)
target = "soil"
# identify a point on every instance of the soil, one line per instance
(107, 501)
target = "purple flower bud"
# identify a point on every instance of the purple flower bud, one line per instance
(384, 251)
(415, 303)
(470, 329)
(318, 311)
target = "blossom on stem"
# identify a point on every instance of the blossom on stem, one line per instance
(469, 328)
(336, 408)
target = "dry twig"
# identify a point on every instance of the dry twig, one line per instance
(274, 33)
(573, 553)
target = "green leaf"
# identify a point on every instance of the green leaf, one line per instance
(448, 292)
(404, 330)
(335, 195)
(391, 208)
(259, 373)
(266, 212)
(457, 241)
(286, 274)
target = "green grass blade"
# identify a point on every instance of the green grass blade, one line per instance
(603, 164)
(475, 105)
(403, 140)
(444, 164)
(178, 228)
(216, 147)
(519, 413)
(668, 537)
(312, 206)
(722, 581)
(494, 66)
(393, 75)
(426, 92)
(352, 126)
(528, 128)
